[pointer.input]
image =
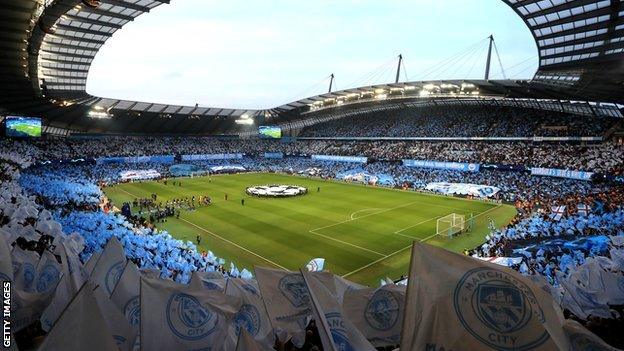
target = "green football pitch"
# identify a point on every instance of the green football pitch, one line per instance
(363, 232)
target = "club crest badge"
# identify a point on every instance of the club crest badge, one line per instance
(247, 317)
(293, 288)
(28, 274)
(251, 289)
(132, 310)
(113, 275)
(338, 332)
(188, 320)
(48, 277)
(499, 310)
(382, 310)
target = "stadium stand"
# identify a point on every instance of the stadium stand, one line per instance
(82, 272)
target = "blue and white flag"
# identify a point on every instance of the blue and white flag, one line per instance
(6, 264)
(126, 294)
(48, 273)
(252, 316)
(456, 302)
(557, 212)
(287, 302)
(24, 268)
(123, 333)
(336, 331)
(582, 302)
(316, 265)
(81, 326)
(583, 209)
(178, 317)
(202, 280)
(377, 313)
(109, 266)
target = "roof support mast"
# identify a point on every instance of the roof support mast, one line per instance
(489, 58)
(396, 80)
(331, 82)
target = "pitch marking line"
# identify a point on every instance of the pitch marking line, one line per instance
(233, 243)
(364, 216)
(407, 247)
(222, 238)
(364, 210)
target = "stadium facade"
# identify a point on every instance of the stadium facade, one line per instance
(49, 46)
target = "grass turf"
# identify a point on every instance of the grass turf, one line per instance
(363, 232)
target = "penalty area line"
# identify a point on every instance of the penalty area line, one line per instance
(407, 247)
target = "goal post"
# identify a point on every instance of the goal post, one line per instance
(450, 225)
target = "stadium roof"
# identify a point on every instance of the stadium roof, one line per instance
(48, 47)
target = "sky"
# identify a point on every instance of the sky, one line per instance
(261, 54)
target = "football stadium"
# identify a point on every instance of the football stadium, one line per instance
(479, 206)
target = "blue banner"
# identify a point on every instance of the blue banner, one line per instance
(453, 166)
(355, 159)
(562, 173)
(207, 157)
(137, 159)
(273, 155)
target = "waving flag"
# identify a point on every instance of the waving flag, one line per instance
(377, 313)
(287, 302)
(247, 343)
(123, 333)
(456, 302)
(6, 264)
(90, 264)
(48, 273)
(557, 212)
(336, 331)
(583, 209)
(203, 281)
(81, 326)
(316, 265)
(252, 316)
(178, 317)
(24, 264)
(126, 294)
(109, 266)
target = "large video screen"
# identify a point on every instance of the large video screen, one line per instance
(23, 127)
(270, 132)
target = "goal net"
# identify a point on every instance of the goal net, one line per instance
(450, 225)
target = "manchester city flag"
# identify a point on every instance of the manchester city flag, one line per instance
(377, 313)
(81, 326)
(126, 294)
(335, 329)
(178, 317)
(109, 266)
(287, 302)
(455, 302)
(252, 316)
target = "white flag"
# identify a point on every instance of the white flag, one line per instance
(176, 317)
(6, 264)
(81, 326)
(109, 266)
(582, 339)
(126, 294)
(336, 331)
(72, 280)
(461, 303)
(123, 333)
(252, 316)
(24, 268)
(90, 264)
(377, 313)
(316, 265)
(48, 273)
(200, 280)
(246, 342)
(287, 302)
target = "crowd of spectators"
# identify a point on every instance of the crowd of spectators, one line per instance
(467, 121)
